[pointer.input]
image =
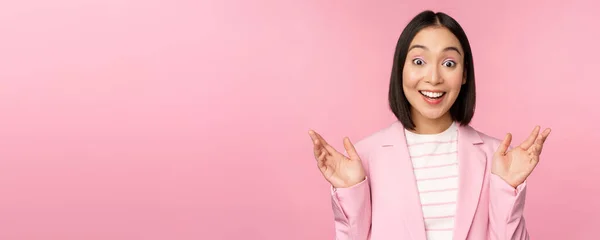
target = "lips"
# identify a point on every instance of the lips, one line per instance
(432, 95)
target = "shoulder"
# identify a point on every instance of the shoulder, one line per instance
(382, 136)
(486, 139)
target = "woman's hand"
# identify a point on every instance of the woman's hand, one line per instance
(517, 164)
(339, 170)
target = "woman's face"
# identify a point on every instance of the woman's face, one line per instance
(433, 73)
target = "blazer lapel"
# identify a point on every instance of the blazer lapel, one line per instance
(402, 189)
(472, 166)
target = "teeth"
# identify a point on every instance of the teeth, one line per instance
(432, 94)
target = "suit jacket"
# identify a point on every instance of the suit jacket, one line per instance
(386, 204)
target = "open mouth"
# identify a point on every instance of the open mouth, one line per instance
(432, 95)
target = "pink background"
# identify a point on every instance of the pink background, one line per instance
(187, 120)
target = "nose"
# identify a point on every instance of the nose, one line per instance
(434, 76)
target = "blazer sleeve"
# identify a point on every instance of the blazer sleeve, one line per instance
(352, 206)
(506, 220)
(352, 211)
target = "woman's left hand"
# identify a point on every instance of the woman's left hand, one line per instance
(515, 165)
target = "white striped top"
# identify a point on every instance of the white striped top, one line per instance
(434, 158)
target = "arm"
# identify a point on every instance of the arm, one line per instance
(350, 192)
(506, 221)
(352, 211)
(507, 193)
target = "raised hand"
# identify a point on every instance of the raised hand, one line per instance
(517, 164)
(340, 171)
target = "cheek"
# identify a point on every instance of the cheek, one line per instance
(454, 79)
(411, 77)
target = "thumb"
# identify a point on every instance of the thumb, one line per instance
(350, 149)
(504, 145)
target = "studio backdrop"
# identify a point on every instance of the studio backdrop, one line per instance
(129, 119)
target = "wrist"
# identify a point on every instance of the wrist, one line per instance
(349, 183)
(510, 180)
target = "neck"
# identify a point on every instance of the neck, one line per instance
(425, 125)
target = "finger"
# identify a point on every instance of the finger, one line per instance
(534, 159)
(536, 149)
(322, 156)
(541, 140)
(504, 145)
(317, 142)
(318, 136)
(331, 150)
(322, 166)
(352, 154)
(312, 134)
(318, 151)
(529, 141)
(317, 148)
(315, 139)
(545, 134)
(315, 136)
(327, 147)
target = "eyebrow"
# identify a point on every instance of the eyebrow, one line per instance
(445, 49)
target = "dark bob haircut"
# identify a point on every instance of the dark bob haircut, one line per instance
(463, 108)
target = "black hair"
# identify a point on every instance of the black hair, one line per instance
(463, 108)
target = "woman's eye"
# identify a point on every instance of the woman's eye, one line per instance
(449, 64)
(418, 61)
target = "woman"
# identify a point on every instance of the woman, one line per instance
(430, 175)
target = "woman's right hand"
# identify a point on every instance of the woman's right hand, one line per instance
(339, 170)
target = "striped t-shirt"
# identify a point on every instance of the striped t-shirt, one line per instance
(434, 159)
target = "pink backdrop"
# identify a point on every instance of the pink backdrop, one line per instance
(186, 120)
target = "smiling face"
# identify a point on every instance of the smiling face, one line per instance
(433, 74)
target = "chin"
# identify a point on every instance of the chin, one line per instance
(433, 114)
